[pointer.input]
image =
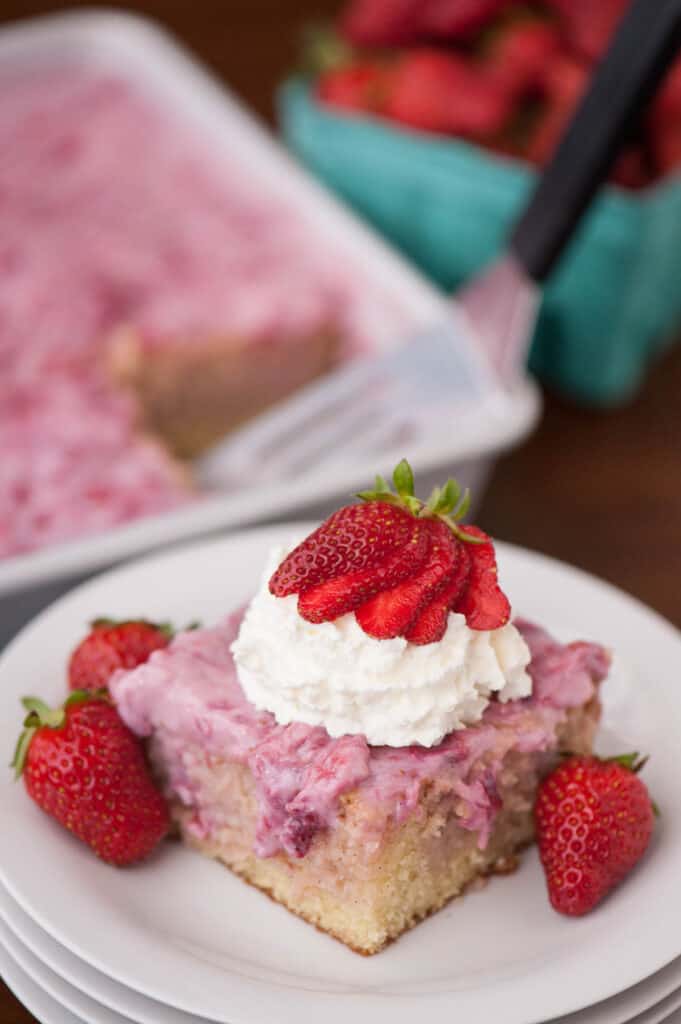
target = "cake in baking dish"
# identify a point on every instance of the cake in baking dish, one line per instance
(155, 290)
(368, 736)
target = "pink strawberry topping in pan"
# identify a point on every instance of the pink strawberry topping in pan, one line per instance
(114, 214)
(189, 694)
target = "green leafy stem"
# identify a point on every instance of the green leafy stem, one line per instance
(449, 503)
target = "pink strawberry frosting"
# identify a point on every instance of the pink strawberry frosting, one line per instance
(114, 214)
(189, 695)
(72, 463)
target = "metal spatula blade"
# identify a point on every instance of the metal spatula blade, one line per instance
(431, 382)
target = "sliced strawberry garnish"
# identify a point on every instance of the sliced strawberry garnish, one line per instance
(431, 624)
(356, 537)
(327, 601)
(392, 612)
(401, 564)
(483, 602)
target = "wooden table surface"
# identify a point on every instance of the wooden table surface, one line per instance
(599, 489)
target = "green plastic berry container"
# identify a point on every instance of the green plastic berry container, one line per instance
(611, 305)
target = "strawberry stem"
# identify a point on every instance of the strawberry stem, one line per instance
(403, 478)
(41, 715)
(103, 622)
(633, 761)
(324, 49)
(448, 503)
(21, 751)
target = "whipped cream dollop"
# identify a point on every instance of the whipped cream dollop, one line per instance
(392, 692)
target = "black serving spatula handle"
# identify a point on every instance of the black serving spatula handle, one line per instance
(641, 50)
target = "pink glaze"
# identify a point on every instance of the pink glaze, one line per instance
(562, 676)
(113, 214)
(71, 463)
(189, 694)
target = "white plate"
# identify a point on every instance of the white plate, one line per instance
(43, 1007)
(55, 961)
(67, 996)
(51, 960)
(142, 52)
(184, 931)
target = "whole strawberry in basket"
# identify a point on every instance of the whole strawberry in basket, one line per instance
(495, 72)
(442, 92)
(395, 22)
(588, 26)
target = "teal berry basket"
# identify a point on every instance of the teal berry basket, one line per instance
(614, 300)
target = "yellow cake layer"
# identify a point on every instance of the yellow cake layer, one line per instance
(366, 880)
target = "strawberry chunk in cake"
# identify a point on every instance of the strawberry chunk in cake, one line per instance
(364, 767)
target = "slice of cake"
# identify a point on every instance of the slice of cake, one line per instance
(361, 841)
(192, 391)
(368, 737)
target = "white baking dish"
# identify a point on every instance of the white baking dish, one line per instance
(139, 50)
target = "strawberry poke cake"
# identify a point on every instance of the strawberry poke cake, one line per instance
(144, 314)
(368, 736)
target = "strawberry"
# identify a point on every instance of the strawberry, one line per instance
(667, 104)
(361, 86)
(459, 19)
(519, 54)
(665, 123)
(381, 22)
(396, 22)
(391, 612)
(594, 821)
(424, 90)
(399, 563)
(667, 150)
(111, 645)
(440, 92)
(298, 832)
(85, 769)
(430, 624)
(327, 601)
(565, 82)
(631, 169)
(588, 26)
(483, 603)
(354, 538)
(482, 109)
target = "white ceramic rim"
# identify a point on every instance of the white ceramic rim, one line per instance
(545, 588)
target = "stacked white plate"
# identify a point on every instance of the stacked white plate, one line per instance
(179, 939)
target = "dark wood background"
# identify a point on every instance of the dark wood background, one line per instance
(600, 489)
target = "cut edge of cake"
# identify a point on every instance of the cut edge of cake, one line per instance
(191, 392)
(381, 897)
